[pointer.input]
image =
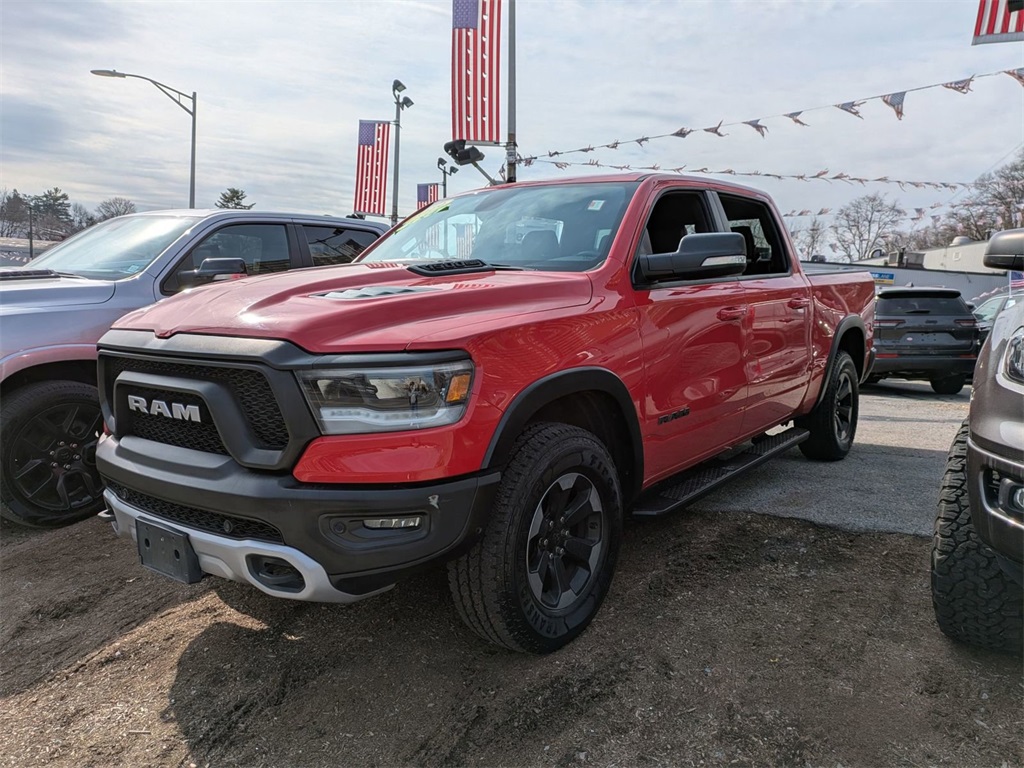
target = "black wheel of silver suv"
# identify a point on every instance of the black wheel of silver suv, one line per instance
(48, 475)
(974, 601)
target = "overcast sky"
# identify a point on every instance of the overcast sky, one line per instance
(281, 87)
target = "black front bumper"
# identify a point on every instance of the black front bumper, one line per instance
(192, 490)
(998, 522)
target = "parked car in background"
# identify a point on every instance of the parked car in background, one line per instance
(925, 334)
(977, 564)
(987, 312)
(54, 310)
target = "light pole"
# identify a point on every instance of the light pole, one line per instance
(177, 97)
(445, 173)
(401, 102)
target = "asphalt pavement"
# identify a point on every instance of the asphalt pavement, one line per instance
(888, 483)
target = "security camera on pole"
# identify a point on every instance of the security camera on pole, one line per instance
(401, 102)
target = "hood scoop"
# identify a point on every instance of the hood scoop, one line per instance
(374, 292)
(27, 274)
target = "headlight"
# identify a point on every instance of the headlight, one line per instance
(1013, 359)
(353, 401)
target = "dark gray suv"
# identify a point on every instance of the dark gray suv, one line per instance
(978, 548)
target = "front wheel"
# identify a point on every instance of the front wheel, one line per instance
(833, 422)
(48, 475)
(948, 385)
(974, 601)
(544, 563)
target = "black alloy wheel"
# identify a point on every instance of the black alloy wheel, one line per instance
(833, 422)
(50, 433)
(565, 543)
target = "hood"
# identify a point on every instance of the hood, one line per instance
(28, 289)
(359, 307)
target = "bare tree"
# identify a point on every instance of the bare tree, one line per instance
(812, 240)
(80, 218)
(866, 224)
(115, 206)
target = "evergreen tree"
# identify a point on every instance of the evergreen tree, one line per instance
(233, 198)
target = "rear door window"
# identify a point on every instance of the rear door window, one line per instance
(921, 305)
(753, 219)
(335, 245)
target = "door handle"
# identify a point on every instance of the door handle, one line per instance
(732, 313)
(799, 303)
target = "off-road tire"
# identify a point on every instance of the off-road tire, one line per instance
(833, 422)
(17, 414)
(948, 385)
(975, 602)
(490, 584)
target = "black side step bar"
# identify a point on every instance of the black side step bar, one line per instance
(691, 484)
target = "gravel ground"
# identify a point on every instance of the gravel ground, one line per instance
(730, 637)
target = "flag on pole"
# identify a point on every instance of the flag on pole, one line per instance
(476, 70)
(464, 240)
(425, 195)
(372, 167)
(997, 24)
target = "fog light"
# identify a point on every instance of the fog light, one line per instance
(393, 522)
(1017, 498)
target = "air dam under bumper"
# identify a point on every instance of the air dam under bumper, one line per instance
(329, 534)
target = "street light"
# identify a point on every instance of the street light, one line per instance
(445, 173)
(401, 102)
(177, 97)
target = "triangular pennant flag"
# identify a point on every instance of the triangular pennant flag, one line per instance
(960, 86)
(528, 161)
(682, 133)
(561, 166)
(613, 145)
(795, 117)
(1017, 74)
(717, 130)
(851, 107)
(756, 125)
(586, 149)
(642, 140)
(824, 212)
(895, 100)
(804, 212)
(820, 174)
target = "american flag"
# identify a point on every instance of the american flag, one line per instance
(425, 195)
(476, 70)
(464, 240)
(372, 167)
(996, 24)
(895, 100)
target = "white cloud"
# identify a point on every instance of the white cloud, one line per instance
(282, 85)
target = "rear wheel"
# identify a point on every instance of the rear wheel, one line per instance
(538, 575)
(833, 422)
(48, 474)
(975, 601)
(948, 385)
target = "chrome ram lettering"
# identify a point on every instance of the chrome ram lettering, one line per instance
(160, 408)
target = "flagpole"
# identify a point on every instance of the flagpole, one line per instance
(510, 147)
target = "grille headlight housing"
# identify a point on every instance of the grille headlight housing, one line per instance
(350, 401)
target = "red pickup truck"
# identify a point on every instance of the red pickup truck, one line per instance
(496, 383)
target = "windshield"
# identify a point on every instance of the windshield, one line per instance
(116, 248)
(557, 228)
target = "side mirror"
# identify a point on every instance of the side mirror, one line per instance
(703, 256)
(1006, 250)
(212, 269)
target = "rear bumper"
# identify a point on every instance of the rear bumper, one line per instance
(996, 520)
(922, 366)
(232, 515)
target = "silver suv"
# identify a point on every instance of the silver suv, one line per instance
(978, 548)
(54, 310)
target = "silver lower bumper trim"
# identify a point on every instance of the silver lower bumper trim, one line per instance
(226, 558)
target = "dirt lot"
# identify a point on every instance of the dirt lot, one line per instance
(729, 638)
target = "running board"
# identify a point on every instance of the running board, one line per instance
(691, 484)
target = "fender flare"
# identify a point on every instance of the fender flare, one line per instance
(550, 388)
(848, 323)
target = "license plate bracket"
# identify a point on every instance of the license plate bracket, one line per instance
(167, 552)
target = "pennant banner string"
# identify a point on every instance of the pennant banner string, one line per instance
(822, 175)
(894, 100)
